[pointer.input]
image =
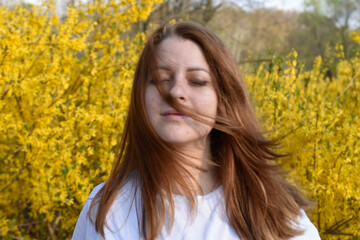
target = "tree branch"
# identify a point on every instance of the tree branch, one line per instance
(346, 88)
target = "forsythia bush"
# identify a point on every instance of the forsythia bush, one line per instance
(64, 92)
(317, 120)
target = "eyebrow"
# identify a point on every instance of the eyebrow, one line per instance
(190, 69)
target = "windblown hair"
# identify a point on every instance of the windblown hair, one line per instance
(260, 204)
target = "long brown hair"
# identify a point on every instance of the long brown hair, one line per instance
(260, 204)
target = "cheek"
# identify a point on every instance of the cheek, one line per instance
(208, 105)
(214, 104)
(152, 101)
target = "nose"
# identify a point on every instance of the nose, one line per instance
(178, 89)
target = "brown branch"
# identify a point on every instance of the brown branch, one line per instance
(3, 59)
(14, 179)
(18, 149)
(5, 91)
(339, 233)
(36, 43)
(67, 91)
(52, 226)
(346, 88)
(293, 130)
(19, 106)
(51, 231)
(28, 224)
(33, 64)
(109, 66)
(336, 227)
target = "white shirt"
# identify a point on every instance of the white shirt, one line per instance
(209, 222)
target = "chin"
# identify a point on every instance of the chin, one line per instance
(181, 140)
(176, 140)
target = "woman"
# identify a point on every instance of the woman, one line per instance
(193, 162)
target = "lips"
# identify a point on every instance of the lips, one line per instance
(172, 114)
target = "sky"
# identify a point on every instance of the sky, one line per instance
(285, 4)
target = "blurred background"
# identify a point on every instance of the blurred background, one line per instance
(66, 69)
(257, 29)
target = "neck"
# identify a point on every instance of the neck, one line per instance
(204, 178)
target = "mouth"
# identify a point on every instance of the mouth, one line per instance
(173, 115)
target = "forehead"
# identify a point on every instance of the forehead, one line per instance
(181, 53)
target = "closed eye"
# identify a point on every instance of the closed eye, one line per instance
(199, 83)
(161, 81)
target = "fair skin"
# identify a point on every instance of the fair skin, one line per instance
(186, 75)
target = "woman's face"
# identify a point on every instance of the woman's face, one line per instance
(186, 75)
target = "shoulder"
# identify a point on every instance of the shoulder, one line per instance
(96, 190)
(120, 218)
(84, 228)
(304, 223)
